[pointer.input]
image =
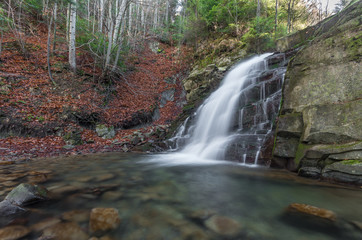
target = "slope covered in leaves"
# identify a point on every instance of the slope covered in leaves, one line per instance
(35, 115)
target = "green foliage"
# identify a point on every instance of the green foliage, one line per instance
(259, 34)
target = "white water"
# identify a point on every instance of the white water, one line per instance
(215, 115)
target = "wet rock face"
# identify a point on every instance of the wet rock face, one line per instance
(321, 115)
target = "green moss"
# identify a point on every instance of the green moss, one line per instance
(354, 46)
(351, 162)
(302, 148)
(188, 107)
(347, 145)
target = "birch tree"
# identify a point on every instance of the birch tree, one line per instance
(119, 19)
(72, 29)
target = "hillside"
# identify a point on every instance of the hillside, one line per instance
(39, 119)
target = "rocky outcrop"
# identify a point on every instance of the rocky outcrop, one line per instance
(319, 130)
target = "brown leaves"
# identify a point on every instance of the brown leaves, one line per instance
(33, 99)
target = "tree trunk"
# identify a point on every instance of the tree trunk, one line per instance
(119, 19)
(48, 50)
(101, 8)
(55, 25)
(155, 16)
(72, 28)
(258, 10)
(289, 16)
(110, 34)
(67, 23)
(1, 41)
(276, 19)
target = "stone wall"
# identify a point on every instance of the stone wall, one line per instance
(319, 132)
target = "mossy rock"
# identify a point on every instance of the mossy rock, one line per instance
(25, 194)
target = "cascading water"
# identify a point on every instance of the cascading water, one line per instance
(236, 120)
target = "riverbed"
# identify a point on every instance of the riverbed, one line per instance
(157, 200)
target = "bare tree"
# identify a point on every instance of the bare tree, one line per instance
(48, 48)
(72, 29)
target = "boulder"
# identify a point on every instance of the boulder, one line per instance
(26, 194)
(104, 219)
(105, 132)
(167, 96)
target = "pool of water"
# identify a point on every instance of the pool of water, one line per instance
(173, 201)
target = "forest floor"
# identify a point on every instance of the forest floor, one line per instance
(36, 116)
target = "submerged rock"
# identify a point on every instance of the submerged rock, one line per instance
(78, 216)
(311, 212)
(65, 231)
(223, 225)
(46, 223)
(104, 219)
(13, 232)
(8, 209)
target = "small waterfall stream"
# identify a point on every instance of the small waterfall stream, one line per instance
(236, 120)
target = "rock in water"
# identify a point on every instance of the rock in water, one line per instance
(13, 232)
(104, 219)
(65, 231)
(311, 211)
(26, 194)
(8, 209)
(311, 217)
(223, 225)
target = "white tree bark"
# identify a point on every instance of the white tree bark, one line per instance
(119, 19)
(155, 16)
(68, 20)
(72, 28)
(110, 34)
(55, 25)
(167, 8)
(101, 13)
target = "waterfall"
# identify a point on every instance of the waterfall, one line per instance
(234, 121)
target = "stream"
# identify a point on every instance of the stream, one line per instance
(156, 200)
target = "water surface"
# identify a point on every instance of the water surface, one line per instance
(171, 201)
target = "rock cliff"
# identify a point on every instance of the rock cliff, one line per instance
(319, 131)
